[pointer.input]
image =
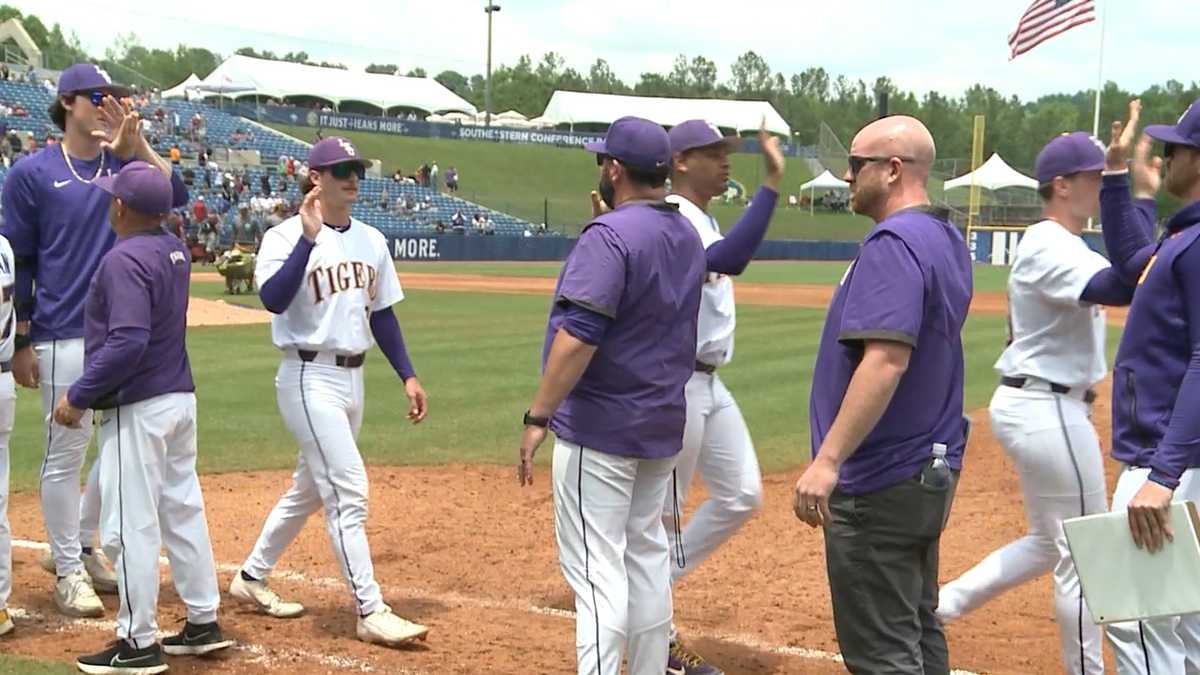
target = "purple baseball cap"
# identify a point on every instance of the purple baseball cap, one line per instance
(1069, 154)
(699, 134)
(334, 150)
(1185, 132)
(636, 142)
(141, 186)
(88, 77)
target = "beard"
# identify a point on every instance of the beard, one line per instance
(608, 192)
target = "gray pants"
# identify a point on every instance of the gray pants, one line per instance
(882, 555)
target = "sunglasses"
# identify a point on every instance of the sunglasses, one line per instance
(96, 97)
(858, 162)
(342, 171)
(600, 159)
(1169, 150)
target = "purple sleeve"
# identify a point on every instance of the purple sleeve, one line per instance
(126, 287)
(594, 276)
(279, 291)
(1107, 288)
(19, 204)
(386, 330)
(585, 325)
(885, 297)
(1147, 211)
(1180, 446)
(731, 254)
(1128, 243)
(179, 191)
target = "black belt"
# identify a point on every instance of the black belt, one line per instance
(352, 361)
(702, 367)
(5, 366)
(1019, 383)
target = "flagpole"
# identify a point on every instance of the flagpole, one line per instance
(1099, 68)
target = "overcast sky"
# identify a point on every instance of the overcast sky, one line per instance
(945, 45)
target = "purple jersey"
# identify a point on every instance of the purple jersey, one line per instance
(641, 265)
(910, 283)
(140, 288)
(58, 228)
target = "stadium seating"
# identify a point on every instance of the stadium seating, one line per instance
(220, 128)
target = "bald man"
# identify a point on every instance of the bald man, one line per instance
(886, 410)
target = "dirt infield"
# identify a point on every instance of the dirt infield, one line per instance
(481, 570)
(205, 312)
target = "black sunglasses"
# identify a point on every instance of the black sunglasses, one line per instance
(96, 96)
(1169, 150)
(600, 159)
(343, 170)
(857, 162)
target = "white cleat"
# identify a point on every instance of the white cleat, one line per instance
(6, 624)
(264, 599)
(74, 596)
(385, 628)
(47, 563)
(104, 579)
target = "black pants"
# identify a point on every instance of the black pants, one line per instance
(881, 553)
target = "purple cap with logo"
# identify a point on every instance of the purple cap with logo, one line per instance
(141, 186)
(88, 77)
(636, 142)
(334, 150)
(1069, 154)
(694, 134)
(1185, 132)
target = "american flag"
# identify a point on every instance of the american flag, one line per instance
(1046, 18)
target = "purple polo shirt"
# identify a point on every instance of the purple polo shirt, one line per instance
(643, 266)
(141, 284)
(910, 283)
(60, 226)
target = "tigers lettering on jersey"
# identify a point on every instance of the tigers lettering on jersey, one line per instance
(326, 281)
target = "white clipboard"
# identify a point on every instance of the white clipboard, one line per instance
(1122, 582)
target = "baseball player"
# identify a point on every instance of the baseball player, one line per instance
(887, 409)
(57, 223)
(8, 405)
(330, 282)
(715, 437)
(1156, 377)
(1040, 411)
(620, 347)
(137, 376)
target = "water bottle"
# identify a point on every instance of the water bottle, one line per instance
(936, 474)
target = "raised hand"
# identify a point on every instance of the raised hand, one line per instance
(1146, 170)
(121, 130)
(310, 214)
(772, 156)
(1120, 147)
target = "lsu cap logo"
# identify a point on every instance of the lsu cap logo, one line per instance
(102, 73)
(347, 147)
(177, 258)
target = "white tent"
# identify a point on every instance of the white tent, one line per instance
(573, 107)
(278, 79)
(510, 115)
(185, 89)
(826, 181)
(993, 174)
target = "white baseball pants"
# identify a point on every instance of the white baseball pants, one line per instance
(1160, 646)
(322, 405)
(1054, 445)
(151, 500)
(717, 442)
(71, 520)
(613, 552)
(8, 409)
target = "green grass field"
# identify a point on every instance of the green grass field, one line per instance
(539, 182)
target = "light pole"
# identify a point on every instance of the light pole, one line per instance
(491, 9)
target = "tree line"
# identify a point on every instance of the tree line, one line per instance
(1015, 128)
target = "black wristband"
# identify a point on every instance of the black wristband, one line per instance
(530, 420)
(21, 342)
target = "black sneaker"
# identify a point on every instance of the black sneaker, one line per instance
(121, 658)
(196, 639)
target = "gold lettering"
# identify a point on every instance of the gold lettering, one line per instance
(332, 286)
(358, 274)
(343, 275)
(372, 277)
(316, 285)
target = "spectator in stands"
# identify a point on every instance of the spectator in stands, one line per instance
(398, 177)
(282, 167)
(423, 175)
(199, 209)
(265, 181)
(433, 175)
(14, 142)
(4, 73)
(5, 111)
(19, 110)
(189, 177)
(457, 220)
(210, 235)
(302, 169)
(439, 227)
(49, 140)
(175, 225)
(427, 204)
(385, 200)
(452, 179)
(195, 130)
(160, 114)
(488, 226)
(276, 216)
(176, 155)
(202, 157)
(291, 168)
(31, 145)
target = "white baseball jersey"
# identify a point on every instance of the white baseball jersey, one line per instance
(718, 316)
(1055, 336)
(349, 275)
(8, 318)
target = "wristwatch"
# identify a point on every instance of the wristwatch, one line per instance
(530, 420)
